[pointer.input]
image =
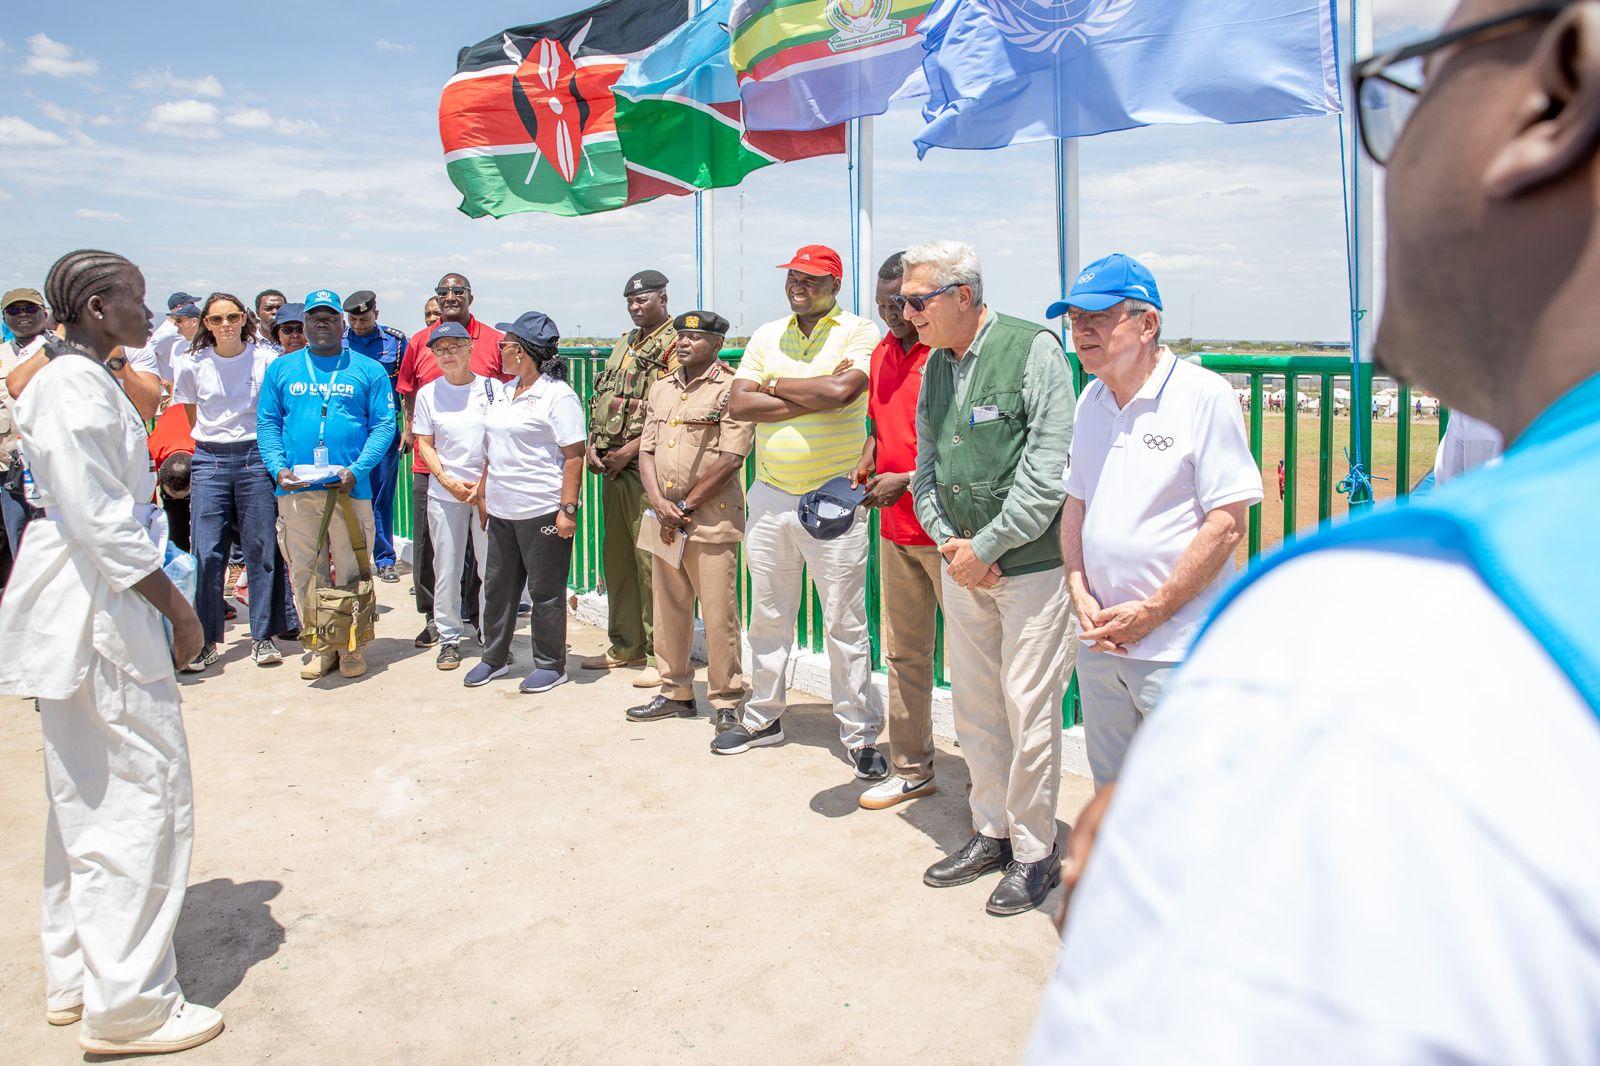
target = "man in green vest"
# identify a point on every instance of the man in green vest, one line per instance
(994, 425)
(640, 358)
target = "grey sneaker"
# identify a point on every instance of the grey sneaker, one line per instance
(207, 657)
(482, 674)
(542, 680)
(265, 653)
(740, 739)
(449, 657)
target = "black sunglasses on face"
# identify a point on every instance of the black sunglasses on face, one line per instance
(23, 307)
(1389, 86)
(920, 303)
(451, 290)
(290, 327)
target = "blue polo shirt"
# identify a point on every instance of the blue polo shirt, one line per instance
(359, 428)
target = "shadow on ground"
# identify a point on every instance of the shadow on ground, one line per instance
(225, 929)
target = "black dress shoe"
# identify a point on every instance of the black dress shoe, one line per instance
(661, 707)
(980, 855)
(1025, 886)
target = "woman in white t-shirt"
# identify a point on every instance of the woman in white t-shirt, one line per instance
(231, 495)
(534, 436)
(447, 428)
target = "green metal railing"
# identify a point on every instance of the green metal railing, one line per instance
(1263, 375)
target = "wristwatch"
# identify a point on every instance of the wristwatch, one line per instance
(570, 510)
(116, 363)
(685, 510)
(770, 387)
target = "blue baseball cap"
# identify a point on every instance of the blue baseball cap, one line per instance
(323, 298)
(1106, 283)
(188, 310)
(828, 512)
(448, 330)
(289, 313)
(535, 327)
(179, 298)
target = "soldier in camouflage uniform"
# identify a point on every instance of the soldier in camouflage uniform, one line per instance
(616, 420)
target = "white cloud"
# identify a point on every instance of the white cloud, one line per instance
(164, 81)
(4, 196)
(527, 247)
(57, 113)
(183, 118)
(258, 118)
(386, 45)
(20, 133)
(46, 56)
(98, 216)
(1177, 263)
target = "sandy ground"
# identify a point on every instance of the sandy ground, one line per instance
(402, 870)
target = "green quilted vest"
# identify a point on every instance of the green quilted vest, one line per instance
(976, 462)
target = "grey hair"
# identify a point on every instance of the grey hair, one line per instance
(953, 263)
(1139, 307)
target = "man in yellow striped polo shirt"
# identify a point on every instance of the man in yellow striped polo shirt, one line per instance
(803, 382)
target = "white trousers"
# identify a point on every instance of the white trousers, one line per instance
(116, 850)
(1010, 650)
(450, 523)
(778, 552)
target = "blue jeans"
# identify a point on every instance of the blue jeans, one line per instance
(383, 482)
(232, 501)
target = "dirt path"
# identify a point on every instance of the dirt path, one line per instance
(400, 870)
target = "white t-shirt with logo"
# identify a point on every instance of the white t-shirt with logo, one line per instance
(223, 391)
(1148, 475)
(524, 438)
(453, 415)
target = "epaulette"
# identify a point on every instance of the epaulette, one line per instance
(396, 334)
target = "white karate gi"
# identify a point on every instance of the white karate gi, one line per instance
(95, 653)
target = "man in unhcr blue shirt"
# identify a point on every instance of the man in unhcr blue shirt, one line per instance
(324, 423)
(386, 345)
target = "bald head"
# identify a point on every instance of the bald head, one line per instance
(454, 294)
(1493, 262)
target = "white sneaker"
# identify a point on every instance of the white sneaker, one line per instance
(64, 1015)
(895, 789)
(189, 1026)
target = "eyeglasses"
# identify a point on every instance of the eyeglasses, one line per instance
(1389, 86)
(920, 303)
(23, 307)
(232, 318)
(290, 327)
(1096, 319)
(451, 290)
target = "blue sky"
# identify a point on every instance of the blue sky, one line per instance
(295, 145)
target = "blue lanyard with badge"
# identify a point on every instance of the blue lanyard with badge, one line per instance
(319, 454)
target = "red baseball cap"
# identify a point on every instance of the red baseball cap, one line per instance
(816, 259)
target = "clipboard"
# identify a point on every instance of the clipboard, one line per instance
(650, 540)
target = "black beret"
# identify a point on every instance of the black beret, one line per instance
(701, 322)
(645, 281)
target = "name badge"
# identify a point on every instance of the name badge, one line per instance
(319, 456)
(987, 413)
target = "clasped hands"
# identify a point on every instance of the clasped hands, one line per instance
(964, 566)
(1114, 628)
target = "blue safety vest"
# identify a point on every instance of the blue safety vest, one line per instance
(1529, 526)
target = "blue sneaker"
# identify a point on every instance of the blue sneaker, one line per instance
(542, 680)
(482, 674)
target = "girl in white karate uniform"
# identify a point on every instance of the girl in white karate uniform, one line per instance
(81, 623)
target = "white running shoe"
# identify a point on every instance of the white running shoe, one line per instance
(895, 789)
(189, 1026)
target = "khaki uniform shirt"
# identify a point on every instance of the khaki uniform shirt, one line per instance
(686, 427)
(616, 409)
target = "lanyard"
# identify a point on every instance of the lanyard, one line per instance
(323, 425)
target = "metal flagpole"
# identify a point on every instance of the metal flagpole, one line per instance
(863, 271)
(1358, 193)
(705, 227)
(1068, 259)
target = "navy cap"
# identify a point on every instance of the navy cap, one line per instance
(535, 327)
(188, 310)
(179, 298)
(322, 298)
(1106, 283)
(828, 512)
(289, 313)
(701, 322)
(448, 331)
(645, 281)
(360, 302)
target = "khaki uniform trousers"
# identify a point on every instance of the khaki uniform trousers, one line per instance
(912, 592)
(1010, 651)
(711, 573)
(301, 514)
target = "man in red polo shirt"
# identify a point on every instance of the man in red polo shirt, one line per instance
(908, 559)
(417, 368)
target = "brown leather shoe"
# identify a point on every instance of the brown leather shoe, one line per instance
(607, 661)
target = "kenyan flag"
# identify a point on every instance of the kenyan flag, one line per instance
(528, 122)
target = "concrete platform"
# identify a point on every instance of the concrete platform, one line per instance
(401, 870)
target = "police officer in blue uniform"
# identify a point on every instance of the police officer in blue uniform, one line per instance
(386, 345)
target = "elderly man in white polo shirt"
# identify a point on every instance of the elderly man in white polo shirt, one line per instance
(1158, 488)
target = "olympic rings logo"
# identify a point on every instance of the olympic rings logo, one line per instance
(1157, 444)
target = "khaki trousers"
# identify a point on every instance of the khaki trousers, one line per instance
(1010, 651)
(301, 513)
(711, 573)
(912, 590)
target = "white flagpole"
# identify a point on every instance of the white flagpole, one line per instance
(1360, 210)
(864, 268)
(1067, 217)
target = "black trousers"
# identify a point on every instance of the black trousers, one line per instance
(526, 551)
(422, 559)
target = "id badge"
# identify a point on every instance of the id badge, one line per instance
(319, 455)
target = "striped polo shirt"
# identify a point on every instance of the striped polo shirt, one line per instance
(804, 452)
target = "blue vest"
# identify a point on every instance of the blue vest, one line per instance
(1529, 526)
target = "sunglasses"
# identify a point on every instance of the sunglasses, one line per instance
(233, 318)
(920, 303)
(23, 307)
(290, 327)
(451, 290)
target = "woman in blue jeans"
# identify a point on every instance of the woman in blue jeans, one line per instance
(231, 498)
